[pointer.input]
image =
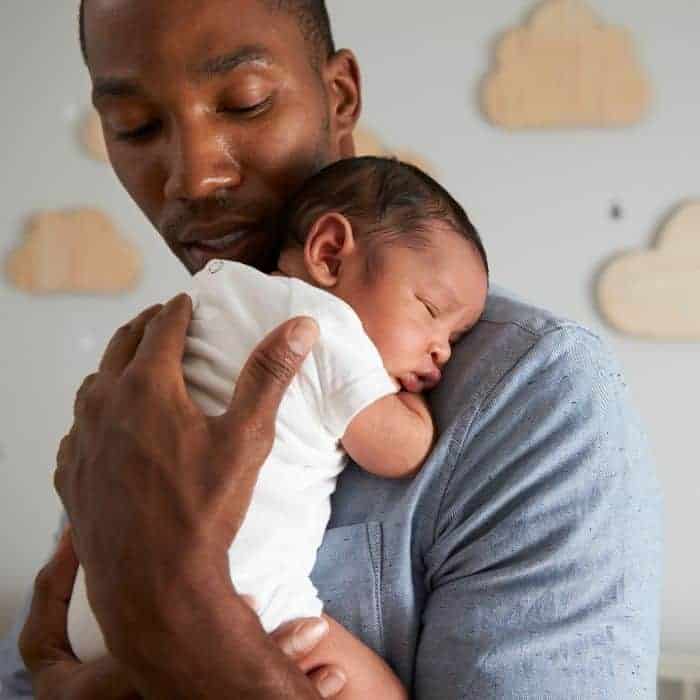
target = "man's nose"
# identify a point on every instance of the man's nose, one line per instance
(200, 162)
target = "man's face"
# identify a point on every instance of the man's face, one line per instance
(213, 114)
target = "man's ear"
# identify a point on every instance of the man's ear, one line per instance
(328, 246)
(344, 88)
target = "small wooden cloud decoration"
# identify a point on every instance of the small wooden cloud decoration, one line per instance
(77, 251)
(92, 137)
(566, 69)
(368, 143)
(656, 293)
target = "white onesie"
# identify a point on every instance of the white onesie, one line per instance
(235, 307)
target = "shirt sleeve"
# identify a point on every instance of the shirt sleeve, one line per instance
(15, 681)
(351, 371)
(544, 571)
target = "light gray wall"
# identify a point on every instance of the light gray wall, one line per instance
(541, 200)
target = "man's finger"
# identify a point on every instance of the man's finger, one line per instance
(269, 371)
(251, 602)
(44, 634)
(64, 460)
(59, 573)
(82, 392)
(122, 346)
(163, 341)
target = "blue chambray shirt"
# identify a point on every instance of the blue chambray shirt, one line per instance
(523, 561)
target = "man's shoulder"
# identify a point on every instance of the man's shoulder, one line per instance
(514, 342)
(520, 326)
(507, 309)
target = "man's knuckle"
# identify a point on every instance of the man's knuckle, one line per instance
(43, 581)
(136, 382)
(59, 478)
(124, 330)
(87, 396)
(274, 364)
(254, 429)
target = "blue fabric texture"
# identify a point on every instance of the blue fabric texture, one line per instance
(524, 560)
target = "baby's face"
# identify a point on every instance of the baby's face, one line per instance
(420, 305)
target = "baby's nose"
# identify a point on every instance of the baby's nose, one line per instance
(441, 354)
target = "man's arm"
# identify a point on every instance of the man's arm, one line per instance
(391, 437)
(544, 572)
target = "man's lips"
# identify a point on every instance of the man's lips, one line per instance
(200, 251)
(220, 243)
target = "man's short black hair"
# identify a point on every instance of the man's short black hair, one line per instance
(311, 16)
(386, 201)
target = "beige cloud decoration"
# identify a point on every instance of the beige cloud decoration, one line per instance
(73, 251)
(92, 137)
(565, 68)
(368, 143)
(656, 293)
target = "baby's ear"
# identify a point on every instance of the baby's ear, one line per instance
(330, 243)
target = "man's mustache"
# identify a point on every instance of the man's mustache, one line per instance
(208, 212)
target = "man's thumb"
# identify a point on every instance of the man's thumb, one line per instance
(269, 371)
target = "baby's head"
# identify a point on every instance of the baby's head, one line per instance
(391, 242)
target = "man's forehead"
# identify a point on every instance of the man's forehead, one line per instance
(116, 30)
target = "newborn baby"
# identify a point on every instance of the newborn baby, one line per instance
(390, 267)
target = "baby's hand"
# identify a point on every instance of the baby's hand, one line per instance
(299, 639)
(337, 663)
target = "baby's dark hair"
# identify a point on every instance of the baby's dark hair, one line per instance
(386, 201)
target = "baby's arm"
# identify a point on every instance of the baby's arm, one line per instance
(393, 436)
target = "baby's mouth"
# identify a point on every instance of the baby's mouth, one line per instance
(417, 383)
(410, 382)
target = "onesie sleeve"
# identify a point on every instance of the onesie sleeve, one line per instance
(351, 371)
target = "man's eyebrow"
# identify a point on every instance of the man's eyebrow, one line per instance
(210, 68)
(115, 87)
(220, 65)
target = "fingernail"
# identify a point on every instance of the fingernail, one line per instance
(303, 336)
(310, 634)
(330, 684)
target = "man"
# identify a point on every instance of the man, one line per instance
(521, 562)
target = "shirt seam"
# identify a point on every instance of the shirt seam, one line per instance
(559, 326)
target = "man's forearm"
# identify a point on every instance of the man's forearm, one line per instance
(210, 645)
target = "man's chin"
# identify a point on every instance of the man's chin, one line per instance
(196, 258)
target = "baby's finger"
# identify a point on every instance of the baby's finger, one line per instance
(298, 638)
(328, 681)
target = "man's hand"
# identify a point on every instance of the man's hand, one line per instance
(156, 491)
(56, 673)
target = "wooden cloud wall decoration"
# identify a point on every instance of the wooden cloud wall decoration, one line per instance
(566, 68)
(92, 137)
(73, 251)
(656, 293)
